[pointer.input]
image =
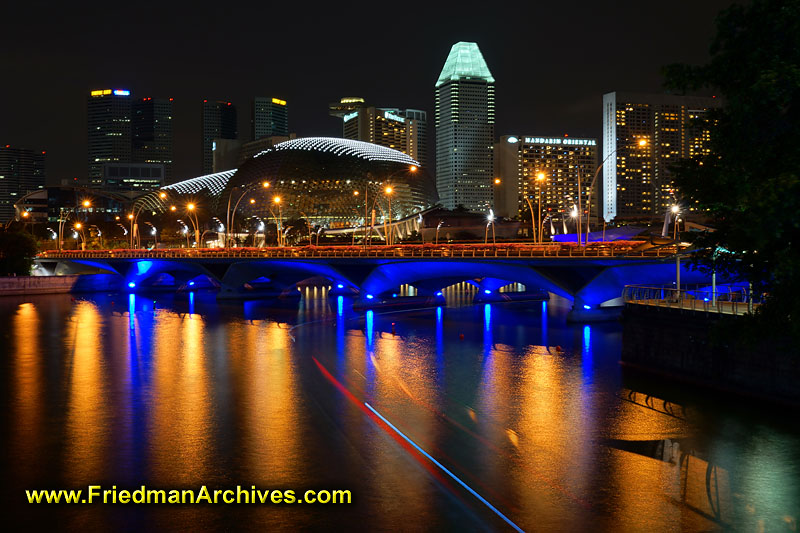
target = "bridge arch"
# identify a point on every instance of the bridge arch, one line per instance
(435, 275)
(280, 275)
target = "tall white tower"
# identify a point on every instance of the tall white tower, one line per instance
(465, 129)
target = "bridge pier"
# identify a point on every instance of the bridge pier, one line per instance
(584, 312)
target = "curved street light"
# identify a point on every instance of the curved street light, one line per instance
(368, 236)
(191, 208)
(641, 143)
(79, 230)
(230, 215)
(64, 216)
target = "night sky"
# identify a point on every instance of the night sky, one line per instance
(552, 61)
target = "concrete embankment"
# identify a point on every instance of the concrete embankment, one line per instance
(20, 285)
(676, 344)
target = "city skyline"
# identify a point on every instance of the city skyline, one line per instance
(562, 93)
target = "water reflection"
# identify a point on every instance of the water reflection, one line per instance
(180, 433)
(528, 410)
(28, 395)
(89, 411)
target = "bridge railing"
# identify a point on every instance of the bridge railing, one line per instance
(727, 301)
(505, 250)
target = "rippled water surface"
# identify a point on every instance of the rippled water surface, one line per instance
(531, 413)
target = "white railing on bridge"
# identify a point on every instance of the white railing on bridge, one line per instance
(507, 250)
(729, 301)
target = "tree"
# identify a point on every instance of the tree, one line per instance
(750, 186)
(17, 250)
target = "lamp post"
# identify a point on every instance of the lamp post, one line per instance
(641, 143)
(192, 209)
(279, 222)
(185, 231)
(390, 230)
(25, 215)
(490, 222)
(438, 227)
(540, 177)
(230, 215)
(132, 217)
(533, 217)
(63, 217)
(154, 233)
(79, 229)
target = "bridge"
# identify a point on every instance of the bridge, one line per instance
(591, 276)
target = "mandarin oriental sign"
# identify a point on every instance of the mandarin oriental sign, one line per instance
(558, 140)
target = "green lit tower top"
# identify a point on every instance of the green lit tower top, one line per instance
(465, 129)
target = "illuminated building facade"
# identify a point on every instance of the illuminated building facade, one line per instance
(152, 133)
(270, 117)
(346, 105)
(465, 129)
(109, 114)
(316, 178)
(137, 178)
(21, 172)
(636, 178)
(405, 130)
(219, 121)
(562, 160)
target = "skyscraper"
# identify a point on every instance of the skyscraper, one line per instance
(643, 134)
(404, 130)
(109, 129)
(561, 160)
(21, 172)
(219, 122)
(152, 133)
(465, 129)
(270, 117)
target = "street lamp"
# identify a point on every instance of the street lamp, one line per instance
(25, 215)
(79, 229)
(438, 227)
(279, 222)
(132, 218)
(388, 190)
(641, 143)
(192, 209)
(185, 231)
(230, 215)
(154, 233)
(389, 236)
(64, 216)
(540, 177)
(490, 222)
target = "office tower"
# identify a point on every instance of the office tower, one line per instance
(346, 105)
(132, 177)
(643, 134)
(219, 122)
(21, 172)
(417, 134)
(561, 160)
(404, 130)
(270, 117)
(465, 129)
(152, 133)
(109, 129)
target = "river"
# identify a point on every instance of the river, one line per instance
(470, 417)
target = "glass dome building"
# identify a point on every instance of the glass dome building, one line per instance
(328, 181)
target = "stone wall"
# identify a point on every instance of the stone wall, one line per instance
(17, 285)
(676, 343)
